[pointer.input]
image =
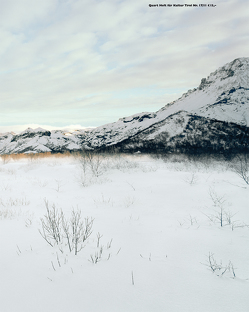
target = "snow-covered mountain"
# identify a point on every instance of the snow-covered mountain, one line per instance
(213, 115)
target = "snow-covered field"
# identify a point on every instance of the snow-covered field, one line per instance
(157, 238)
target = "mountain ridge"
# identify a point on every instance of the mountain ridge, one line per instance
(221, 97)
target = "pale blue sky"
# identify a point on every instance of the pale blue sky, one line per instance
(89, 62)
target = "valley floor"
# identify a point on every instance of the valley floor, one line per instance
(168, 235)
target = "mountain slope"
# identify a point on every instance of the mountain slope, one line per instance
(188, 133)
(223, 96)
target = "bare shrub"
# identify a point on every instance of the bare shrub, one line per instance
(6, 214)
(124, 164)
(120, 162)
(28, 222)
(96, 164)
(192, 220)
(128, 201)
(51, 225)
(72, 232)
(93, 162)
(41, 183)
(83, 160)
(241, 167)
(218, 268)
(191, 179)
(222, 215)
(103, 200)
(9, 213)
(100, 254)
(218, 202)
(95, 258)
(80, 230)
(92, 166)
(58, 185)
(15, 202)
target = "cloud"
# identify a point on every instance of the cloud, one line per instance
(66, 61)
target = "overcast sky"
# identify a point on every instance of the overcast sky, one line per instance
(90, 62)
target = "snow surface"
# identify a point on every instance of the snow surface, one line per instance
(155, 217)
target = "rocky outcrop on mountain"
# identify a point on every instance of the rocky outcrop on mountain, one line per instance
(212, 117)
